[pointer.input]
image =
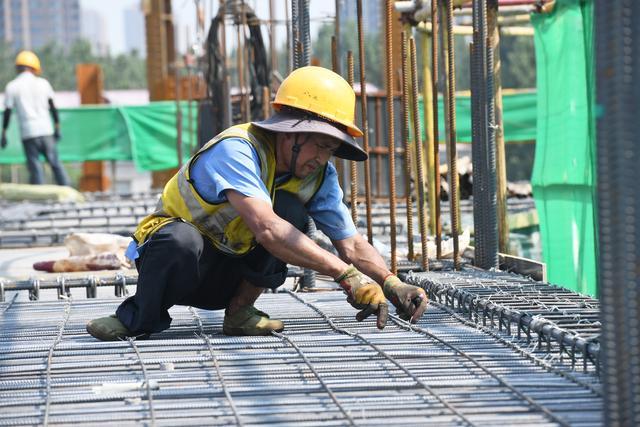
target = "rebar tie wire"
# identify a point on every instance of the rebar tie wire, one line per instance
(324, 384)
(225, 389)
(47, 404)
(409, 327)
(384, 354)
(132, 343)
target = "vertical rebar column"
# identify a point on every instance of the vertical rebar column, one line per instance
(436, 137)
(240, 64)
(406, 81)
(617, 42)
(353, 166)
(295, 34)
(422, 215)
(501, 165)
(226, 86)
(454, 197)
(390, 125)
(305, 29)
(365, 119)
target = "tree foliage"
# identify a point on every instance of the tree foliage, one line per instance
(124, 71)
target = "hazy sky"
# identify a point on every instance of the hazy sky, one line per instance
(184, 16)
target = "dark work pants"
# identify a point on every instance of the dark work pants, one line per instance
(45, 145)
(179, 266)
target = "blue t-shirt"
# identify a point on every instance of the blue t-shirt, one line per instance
(233, 163)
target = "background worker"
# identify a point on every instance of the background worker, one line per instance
(32, 98)
(233, 217)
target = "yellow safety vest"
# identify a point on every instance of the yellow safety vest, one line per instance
(220, 222)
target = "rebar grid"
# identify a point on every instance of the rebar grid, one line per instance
(216, 364)
(47, 404)
(565, 322)
(146, 384)
(102, 383)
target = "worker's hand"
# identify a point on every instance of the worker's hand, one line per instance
(364, 295)
(56, 134)
(3, 141)
(411, 301)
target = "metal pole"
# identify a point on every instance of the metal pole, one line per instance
(226, 86)
(406, 81)
(391, 133)
(451, 143)
(364, 118)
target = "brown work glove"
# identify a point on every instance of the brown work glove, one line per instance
(364, 295)
(411, 301)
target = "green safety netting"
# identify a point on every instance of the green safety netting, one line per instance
(564, 171)
(145, 134)
(519, 116)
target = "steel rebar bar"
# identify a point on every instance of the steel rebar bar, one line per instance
(406, 81)
(422, 198)
(391, 130)
(436, 137)
(364, 117)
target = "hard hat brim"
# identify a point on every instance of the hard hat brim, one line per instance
(290, 122)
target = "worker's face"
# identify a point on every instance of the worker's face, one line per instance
(315, 152)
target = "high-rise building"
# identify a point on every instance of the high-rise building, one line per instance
(93, 28)
(371, 13)
(134, 31)
(30, 24)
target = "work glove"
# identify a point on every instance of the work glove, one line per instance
(364, 295)
(410, 301)
(56, 134)
(3, 142)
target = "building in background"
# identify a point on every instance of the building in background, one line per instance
(30, 24)
(93, 28)
(134, 31)
(371, 13)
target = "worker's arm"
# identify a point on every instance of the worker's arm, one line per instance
(356, 250)
(287, 243)
(56, 120)
(410, 300)
(282, 239)
(6, 116)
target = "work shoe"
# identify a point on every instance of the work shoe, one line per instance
(108, 329)
(248, 320)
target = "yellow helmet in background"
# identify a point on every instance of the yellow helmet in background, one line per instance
(322, 92)
(26, 58)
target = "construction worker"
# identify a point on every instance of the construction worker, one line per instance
(32, 98)
(232, 218)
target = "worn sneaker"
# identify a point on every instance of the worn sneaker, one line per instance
(108, 329)
(248, 320)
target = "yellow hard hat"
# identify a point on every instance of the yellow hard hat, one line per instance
(322, 92)
(26, 58)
